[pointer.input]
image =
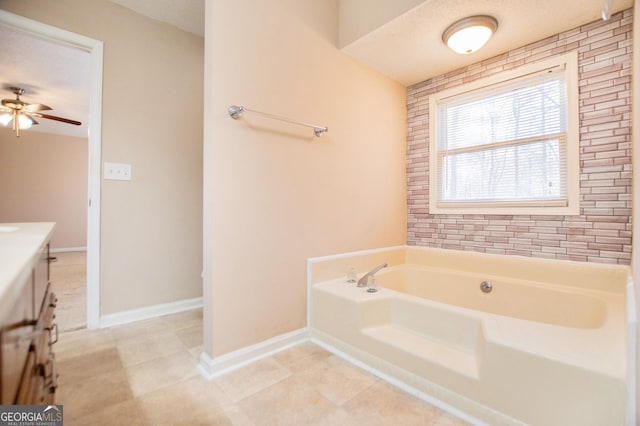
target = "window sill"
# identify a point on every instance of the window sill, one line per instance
(523, 210)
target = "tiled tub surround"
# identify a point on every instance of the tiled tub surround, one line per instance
(602, 232)
(546, 346)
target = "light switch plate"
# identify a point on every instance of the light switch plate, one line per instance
(117, 171)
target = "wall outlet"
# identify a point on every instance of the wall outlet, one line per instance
(117, 171)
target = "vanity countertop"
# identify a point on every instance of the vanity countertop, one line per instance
(20, 245)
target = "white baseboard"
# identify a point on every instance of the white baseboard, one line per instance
(147, 312)
(213, 367)
(67, 249)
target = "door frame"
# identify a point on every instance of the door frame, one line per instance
(95, 49)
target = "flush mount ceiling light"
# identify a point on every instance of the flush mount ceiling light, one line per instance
(470, 34)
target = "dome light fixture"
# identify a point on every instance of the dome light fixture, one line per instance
(470, 34)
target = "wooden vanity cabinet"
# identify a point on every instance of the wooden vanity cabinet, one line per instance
(27, 361)
(16, 343)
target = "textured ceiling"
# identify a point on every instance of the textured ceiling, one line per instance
(409, 48)
(53, 74)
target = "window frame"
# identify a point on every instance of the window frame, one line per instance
(503, 80)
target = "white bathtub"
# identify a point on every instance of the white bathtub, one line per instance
(545, 346)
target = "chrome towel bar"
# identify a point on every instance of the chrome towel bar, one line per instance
(236, 111)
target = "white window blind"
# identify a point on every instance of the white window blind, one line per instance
(504, 145)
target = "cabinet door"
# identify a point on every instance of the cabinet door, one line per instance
(29, 387)
(15, 335)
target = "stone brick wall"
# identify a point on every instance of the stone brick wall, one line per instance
(602, 231)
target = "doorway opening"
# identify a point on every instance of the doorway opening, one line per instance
(95, 50)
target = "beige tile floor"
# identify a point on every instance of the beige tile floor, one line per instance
(145, 374)
(69, 283)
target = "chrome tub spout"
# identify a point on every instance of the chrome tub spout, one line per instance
(362, 282)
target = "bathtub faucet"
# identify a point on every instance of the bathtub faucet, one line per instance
(362, 282)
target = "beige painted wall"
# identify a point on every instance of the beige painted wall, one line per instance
(43, 178)
(151, 227)
(274, 195)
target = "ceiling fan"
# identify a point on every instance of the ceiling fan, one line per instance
(22, 114)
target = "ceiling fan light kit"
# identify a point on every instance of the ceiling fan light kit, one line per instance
(469, 34)
(5, 119)
(24, 122)
(18, 120)
(21, 114)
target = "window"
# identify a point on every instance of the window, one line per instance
(508, 144)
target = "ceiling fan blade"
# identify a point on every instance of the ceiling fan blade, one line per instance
(36, 107)
(53, 117)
